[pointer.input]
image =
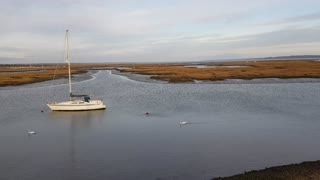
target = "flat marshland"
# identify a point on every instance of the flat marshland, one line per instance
(232, 70)
(22, 74)
(172, 73)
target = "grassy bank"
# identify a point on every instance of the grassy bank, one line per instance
(173, 73)
(303, 171)
(247, 70)
(20, 74)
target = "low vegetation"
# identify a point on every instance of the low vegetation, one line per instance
(23, 74)
(303, 171)
(247, 70)
(173, 73)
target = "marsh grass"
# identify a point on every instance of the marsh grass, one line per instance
(25, 75)
(251, 70)
(172, 73)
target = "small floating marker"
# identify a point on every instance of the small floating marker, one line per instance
(146, 113)
(41, 110)
(31, 132)
(183, 122)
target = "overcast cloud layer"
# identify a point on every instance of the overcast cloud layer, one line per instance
(157, 31)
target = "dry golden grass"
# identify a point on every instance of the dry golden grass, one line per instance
(24, 75)
(31, 77)
(174, 73)
(12, 75)
(262, 69)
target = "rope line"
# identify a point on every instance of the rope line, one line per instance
(55, 71)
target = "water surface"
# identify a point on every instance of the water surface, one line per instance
(236, 128)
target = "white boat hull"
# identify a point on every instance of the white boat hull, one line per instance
(77, 105)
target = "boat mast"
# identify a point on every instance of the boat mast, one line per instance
(68, 61)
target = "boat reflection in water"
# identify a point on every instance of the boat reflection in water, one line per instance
(78, 118)
(75, 125)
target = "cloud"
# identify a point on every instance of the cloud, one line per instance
(146, 30)
(276, 50)
(279, 37)
(296, 19)
(10, 49)
(179, 48)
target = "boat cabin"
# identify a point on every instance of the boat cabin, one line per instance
(86, 98)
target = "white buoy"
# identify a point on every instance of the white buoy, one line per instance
(183, 122)
(31, 132)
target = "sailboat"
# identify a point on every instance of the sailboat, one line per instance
(74, 104)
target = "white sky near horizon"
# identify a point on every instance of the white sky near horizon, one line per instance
(33, 31)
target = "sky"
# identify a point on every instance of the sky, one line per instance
(33, 31)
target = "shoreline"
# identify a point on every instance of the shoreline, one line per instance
(147, 79)
(77, 78)
(309, 170)
(15, 75)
